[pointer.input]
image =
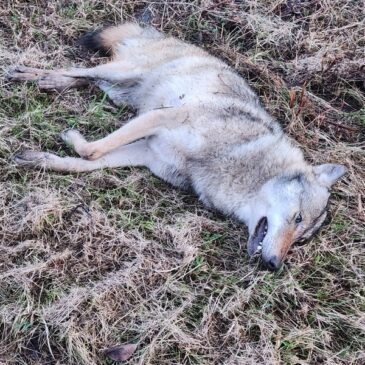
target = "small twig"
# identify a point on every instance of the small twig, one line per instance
(343, 126)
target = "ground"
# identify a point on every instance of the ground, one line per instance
(114, 257)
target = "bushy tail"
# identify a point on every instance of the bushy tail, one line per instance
(105, 41)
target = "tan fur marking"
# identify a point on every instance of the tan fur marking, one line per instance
(286, 242)
(110, 37)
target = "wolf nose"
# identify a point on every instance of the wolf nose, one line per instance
(273, 263)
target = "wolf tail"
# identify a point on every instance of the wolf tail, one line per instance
(107, 41)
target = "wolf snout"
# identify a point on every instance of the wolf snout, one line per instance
(273, 263)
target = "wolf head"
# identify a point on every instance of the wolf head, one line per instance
(290, 208)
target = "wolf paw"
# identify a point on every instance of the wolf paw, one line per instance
(31, 159)
(23, 73)
(72, 137)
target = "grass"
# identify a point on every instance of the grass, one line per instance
(117, 256)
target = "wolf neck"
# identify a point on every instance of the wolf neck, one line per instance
(231, 181)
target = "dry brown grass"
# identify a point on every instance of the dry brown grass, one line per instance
(111, 257)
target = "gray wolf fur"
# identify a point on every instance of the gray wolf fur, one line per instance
(200, 126)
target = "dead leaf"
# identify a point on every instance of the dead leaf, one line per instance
(121, 353)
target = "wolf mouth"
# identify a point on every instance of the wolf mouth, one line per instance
(258, 235)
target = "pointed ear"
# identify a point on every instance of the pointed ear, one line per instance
(328, 173)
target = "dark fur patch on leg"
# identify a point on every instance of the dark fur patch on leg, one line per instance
(93, 42)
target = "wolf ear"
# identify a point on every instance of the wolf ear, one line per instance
(328, 173)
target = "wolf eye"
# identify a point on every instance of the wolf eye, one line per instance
(298, 218)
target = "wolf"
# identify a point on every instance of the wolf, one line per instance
(198, 126)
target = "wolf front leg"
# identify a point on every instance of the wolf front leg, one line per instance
(46, 79)
(142, 126)
(114, 72)
(134, 154)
